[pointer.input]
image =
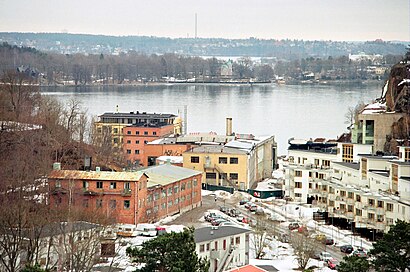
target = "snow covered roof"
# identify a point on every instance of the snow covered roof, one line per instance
(374, 108)
(171, 159)
(212, 233)
(165, 173)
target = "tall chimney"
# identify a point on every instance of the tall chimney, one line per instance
(228, 126)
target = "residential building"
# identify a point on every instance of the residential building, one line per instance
(128, 197)
(239, 164)
(368, 193)
(225, 247)
(374, 125)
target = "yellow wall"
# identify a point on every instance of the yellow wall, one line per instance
(213, 158)
(114, 134)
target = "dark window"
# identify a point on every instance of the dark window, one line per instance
(127, 204)
(113, 185)
(223, 160)
(137, 132)
(154, 133)
(137, 151)
(194, 159)
(128, 132)
(116, 141)
(115, 130)
(128, 151)
(128, 141)
(99, 185)
(233, 176)
(137, 142)
(233, 160)
(98, 203)
(85, 184)
(145, 132)
(145, 142)
(211, 175)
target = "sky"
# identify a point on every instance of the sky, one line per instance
(348, 20)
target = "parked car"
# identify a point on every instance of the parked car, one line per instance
(146, 230)
(346, 249)
(325, 256)
(333, 264)
(293, 226)
(359, 252)
(328, 241)
(253, 208)
(217, 222)
(259, 210)
(243, 202)
(234, 212)
(320, 237)
(227, 223)
(208, 216)
(248, 204)
(223, 209)
(161, 230)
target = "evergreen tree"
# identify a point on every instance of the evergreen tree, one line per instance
(353, 264)
(171, 252)
(392, 252)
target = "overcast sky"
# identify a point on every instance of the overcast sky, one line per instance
(351, 20)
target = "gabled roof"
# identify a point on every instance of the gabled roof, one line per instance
(212, 233)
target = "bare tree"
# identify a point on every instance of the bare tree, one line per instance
(304, 248)
(260, 234)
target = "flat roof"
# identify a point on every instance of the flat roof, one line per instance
(217, 149)
(212, 233)
(355, 166)
(165, 174)
(136, 114)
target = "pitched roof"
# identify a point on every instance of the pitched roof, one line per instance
(165, 173)
(95, 175)
(212, 233)
(247, 268)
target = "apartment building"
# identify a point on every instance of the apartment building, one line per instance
(368, 193)
(239, 164)
(225, 247)
(128, 197)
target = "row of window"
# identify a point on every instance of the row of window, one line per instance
(222, 160)
(136, 151)
(112, 203)
(212, 175)
(170, 202)
(136, 142)
(113, 185)
(207, 247)
(138, 133)
(172, 190)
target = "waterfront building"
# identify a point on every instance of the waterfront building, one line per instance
(364, 191)
(225, 247)
(238, 164)
(128, 197)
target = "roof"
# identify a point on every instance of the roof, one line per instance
(384, 173)
(355, 166)
(165, 174)
(212, 233)
(217, 149)
(172, 159)
(136, 115)
(95, 175)
(249, 268)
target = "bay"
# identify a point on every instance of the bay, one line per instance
(300, 111)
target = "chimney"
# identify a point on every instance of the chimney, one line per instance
(228, 126)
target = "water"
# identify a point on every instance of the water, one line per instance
(284, 111)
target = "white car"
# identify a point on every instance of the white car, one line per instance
(325, 256)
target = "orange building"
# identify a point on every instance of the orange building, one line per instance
(128, 197)
(163, 147)
(137, 136)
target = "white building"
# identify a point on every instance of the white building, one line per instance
(225, 247)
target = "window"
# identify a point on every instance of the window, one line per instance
(85, 184)
(209, 175)
(370, 216)
(182, 187)
(149, 198)
(350, 195)
(350, 208)
(371, 202)
(195, 182)
(317, 162)
(128, 151)
(128, 141)
(137, 151)
(176, 189)
(163, 206)
(298, 184)
(380, 204)
(298, 195)
(127, 186)
(137, 141)
(237, 240)
(113, 204)
(358, 198)
(170, 203)
(407, 154)
(156, 196)
(223, 176)
(127, 204)
(137, 132)
(145, 142)
(170, 191)
(298, 173)
(154, 133)
(358, 212)
(208, 246)
(389, 207)
(233, 176)
(145, 132)
(326, 163)
(99, 185)
(98, 203)
(163, 193)
(201, 248)
(113, 185)
(223, 160)
(233, 160)
(347, 155)
(194, 159)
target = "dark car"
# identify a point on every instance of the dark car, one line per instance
(328, 241)
(293, 226)
(346, 249)
(243, 202)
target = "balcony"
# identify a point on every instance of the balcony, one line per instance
(126, 192)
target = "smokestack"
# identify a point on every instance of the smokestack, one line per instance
(228, 126)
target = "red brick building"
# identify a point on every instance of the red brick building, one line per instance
(137, 136)
(128, 197)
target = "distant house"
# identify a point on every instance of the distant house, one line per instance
(225, 247)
